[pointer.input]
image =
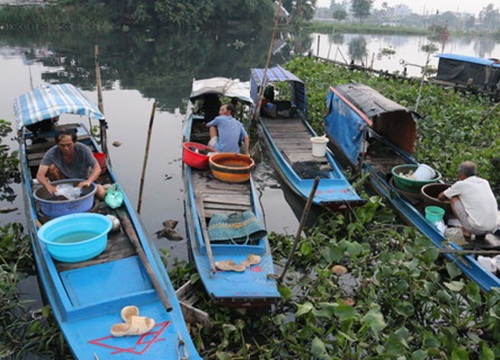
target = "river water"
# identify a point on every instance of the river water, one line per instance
(139, 70)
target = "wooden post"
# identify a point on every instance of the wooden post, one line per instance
(146, 154)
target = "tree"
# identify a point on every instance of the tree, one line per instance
(340, 14)
(489, 17)
(361, 8)
(300, 10)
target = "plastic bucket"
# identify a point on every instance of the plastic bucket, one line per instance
(196, 155)
(54, 206)
(434, 213)
(319, 146)
(424, 173)
(76, 237)
(101, 159)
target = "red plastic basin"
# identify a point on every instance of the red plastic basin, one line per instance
(196, 155)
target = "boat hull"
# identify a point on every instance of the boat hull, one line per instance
(376, 164)
(87, 297)
(205, 196)
(287, 136)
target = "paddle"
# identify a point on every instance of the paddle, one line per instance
(301, 226)
(129, 230)
(201, 214)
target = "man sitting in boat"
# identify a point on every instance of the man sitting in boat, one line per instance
(69, 159)
(226, 133)
(472, 202)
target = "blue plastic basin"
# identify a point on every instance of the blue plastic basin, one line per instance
(53, 206)
(76, 237)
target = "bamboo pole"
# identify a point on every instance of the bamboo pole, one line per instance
(305, 213)
(268, 62)
(146, 154)
(102, 123)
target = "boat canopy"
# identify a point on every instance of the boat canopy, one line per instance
(49, 101)
(278, 74)
(469, 71)
(221, 86)
(354, 109)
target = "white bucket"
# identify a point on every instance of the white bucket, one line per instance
(424, 173)
(319, 146)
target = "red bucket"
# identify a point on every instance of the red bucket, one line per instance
(196, 155)
(101, 159)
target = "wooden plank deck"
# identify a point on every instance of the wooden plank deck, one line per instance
(293, 139)
(219, 197)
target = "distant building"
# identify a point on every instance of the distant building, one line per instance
(402, 10)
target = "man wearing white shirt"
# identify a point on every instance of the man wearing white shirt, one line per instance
(472, 201)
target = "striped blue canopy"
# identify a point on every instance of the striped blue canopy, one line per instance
(48, 101)
(279, 74)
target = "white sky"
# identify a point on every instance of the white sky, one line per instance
(430, 6)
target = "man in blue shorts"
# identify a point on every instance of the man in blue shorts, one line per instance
(226, 133)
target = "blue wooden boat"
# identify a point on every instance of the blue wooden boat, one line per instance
(87, 297)
(357, 115)
(469, 72)
(207, 198)
(287, 135)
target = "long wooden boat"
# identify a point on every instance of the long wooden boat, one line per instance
(469, 72)
(87, 297)
(287, 135)
(374, 134)
(206, 197)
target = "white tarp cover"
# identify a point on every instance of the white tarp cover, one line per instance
(221, 86)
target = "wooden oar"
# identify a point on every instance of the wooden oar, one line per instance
(130, 231)
(301, 226)
(201, 214)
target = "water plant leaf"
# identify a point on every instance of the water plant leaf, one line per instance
(430, 340)
(318, 348)
(486, 352)
(351, 247)
(459, 353)
(345, 312)
(404, 308)
(303, 308)
(332, 254)
(375, 320)
(285, 292)
(454, 285)
(453, 270)
(443, 296)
